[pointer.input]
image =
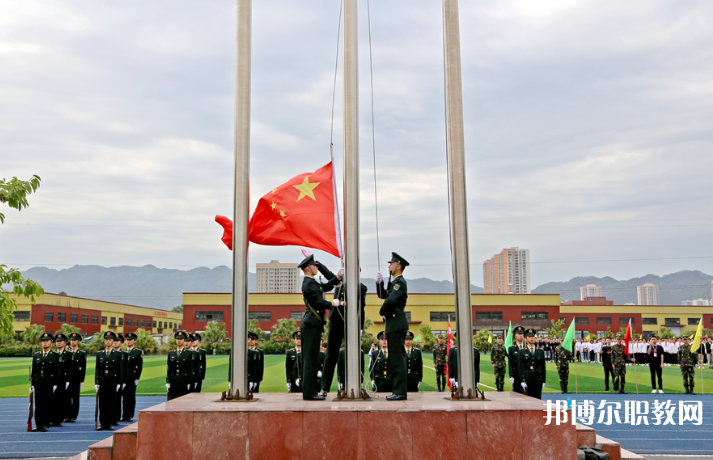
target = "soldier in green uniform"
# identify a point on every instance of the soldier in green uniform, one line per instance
(562, 358)
(134, 367)
(180, 368)
(108, 375)
(687, 362)
(453, 371)
(396, 324)
(118, 343)
(379, 366)
(618, 361)
(513, 353)
(414, 364)
(440, 351)
(293, 365)
(497, 356)
(44, 380)
(79, 372)
(531, 367)
(61, 396)
(312, 327)
(202, 360)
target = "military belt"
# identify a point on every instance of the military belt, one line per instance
(314, 312)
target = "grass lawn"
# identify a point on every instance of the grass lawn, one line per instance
(14, 377)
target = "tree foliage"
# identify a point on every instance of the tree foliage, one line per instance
(480, 340)
(145, 341)
(556, 329)
(33, 334)
(214, 333)
(427, 337)
(284, 328)
(67, 329)
(14, 192)
(178, 308)
(252, 327)
(665, 333)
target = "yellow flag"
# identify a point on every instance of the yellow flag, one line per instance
(490, 338)
(696, 344)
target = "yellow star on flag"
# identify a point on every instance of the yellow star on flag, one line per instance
(273, 205)
(282, 213)
(273, 191)
(306, 189)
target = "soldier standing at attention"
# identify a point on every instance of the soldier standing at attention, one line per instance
(619, 360)
(44, 381)
(439, 362)
(253, 363)
(202, 360)
(312, 327)
(531, 365)
(379, 366)
(180, 368)
(108, 375)
(194, 358)
(393, 312)
(62, 396)
(453, 372)
(687, 361)
(134, 366)
(606, 363)
(119, 394)
(293, 365)
(414, 364)
(513, 353)
(562, 358)
(497, 356)
(79, 371)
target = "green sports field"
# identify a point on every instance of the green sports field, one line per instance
(14, 377)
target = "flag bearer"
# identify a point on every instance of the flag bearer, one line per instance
(134, 366)
(619, 361)
(79, 372)
(44, 381)
(687, 362)
(562, 358)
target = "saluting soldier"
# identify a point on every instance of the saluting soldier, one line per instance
(62, 396)
(453, 372)
(108, 375)
(312, 327)
(79, 372)
(202, 360)
(293, 364)
(440, 355)
(414, 364)
(342, 368)
(253, 363)
(379, 366)
(498, 356)
(619, 360)
(393, 312)
(118, 343)
(513, 353)
(531, 366)
(180, 368)
(134, 367)
(687, 362)
(562, 358)
(44, 381)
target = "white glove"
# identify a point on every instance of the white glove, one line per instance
(543, 386)
(341, 386)
(230, 386)
(168, 386)
(319, 374)
(188, 387)
(340, 273)
(289, 387)
(54, 387)
(306, 253)
(418, 384)
(379, 277)
(453, 382)
(373, 385)
(96, 387)
(117, 387)
(123, 385)
(476, 384)
(335, 302)
(32, 389)
(66, 385)
(512, 380)
(136, 382)
(250, 386)
(195, 385)
(524, 385)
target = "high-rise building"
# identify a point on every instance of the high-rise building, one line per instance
(590, 290)
(277, 277)
(648, 294)
(697, 302)
(508, 272)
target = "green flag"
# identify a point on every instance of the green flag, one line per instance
(569, 337)
(418, 337)
(508, 338)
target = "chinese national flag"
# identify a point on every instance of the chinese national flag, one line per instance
(300, 212)
(627, 337)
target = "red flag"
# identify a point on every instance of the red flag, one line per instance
(448, 350)
(627, 337)
(227, 225)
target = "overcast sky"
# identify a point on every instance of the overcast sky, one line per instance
(589, 130)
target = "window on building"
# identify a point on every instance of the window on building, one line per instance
(85, 319)
(297, 315)
(604, 321)
(600, 334)
(61, 317)
(623, 321)
(121, 321)
(693, 321)
(154, 324)
(160, 324)
(581, 320)
(488, 316)
(534, 316)
(22, 315)
(73, 318)
(136, 322)
(95, 319)
(112, 321)
(408, 316)
(205, 316)
(103, 320)
(649, 321)
(673, 321)
(49, 317)
(143, 323)
(442, 316)
(261, 316)
(170, 324)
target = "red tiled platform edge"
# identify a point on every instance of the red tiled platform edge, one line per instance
(283, 426)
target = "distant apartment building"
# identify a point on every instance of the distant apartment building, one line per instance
(590, 290)
(508, 272)
(697, 302)
(278, 278)
(648, 294)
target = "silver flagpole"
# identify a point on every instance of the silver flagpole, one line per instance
(351, 198)
(239, 374)
(459, 205)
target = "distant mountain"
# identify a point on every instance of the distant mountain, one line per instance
(162, 288)
(673, 288)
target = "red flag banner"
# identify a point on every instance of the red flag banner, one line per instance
(448, 350)
(627, 338)
(227, 225)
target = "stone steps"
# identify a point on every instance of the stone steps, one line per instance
(587, 436)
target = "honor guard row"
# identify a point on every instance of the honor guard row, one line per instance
(186, 366)
(379, 365)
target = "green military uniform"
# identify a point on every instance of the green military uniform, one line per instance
(619, 360)
(134, 366)
(62, 397)
(440, 352)
(109, 373)
(79, 372)
(498, 354)
(180, 370)
(562, 358)
(44, 381)
(687, 361)
(414, 366)
(379, 372)
(531, 367)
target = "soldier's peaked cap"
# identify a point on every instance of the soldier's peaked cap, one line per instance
(48, 336)
(530, 332)
(297, 335)
(409, 335)
(381, 335)
(131, 336)
(120, 337)
(684, 337)
(397, 258)
(60, 337)
(180, 335)
(306, 262)
(518, 330)
(109, 335)
(75, 336)
(618, 336)
(252, 335)
(189, 336)
(197, 336)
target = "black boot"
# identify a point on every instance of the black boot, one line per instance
(622, 392)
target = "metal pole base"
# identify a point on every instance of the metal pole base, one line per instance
(227, 396)
(342, 396)
(458, 395)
